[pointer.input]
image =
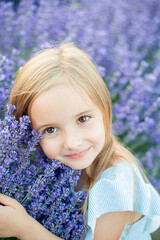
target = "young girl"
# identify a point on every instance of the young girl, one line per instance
(68, 102)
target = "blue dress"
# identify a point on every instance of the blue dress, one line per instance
(122, 188)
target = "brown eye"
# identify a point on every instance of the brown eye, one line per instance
(50, 130)
(83, 119)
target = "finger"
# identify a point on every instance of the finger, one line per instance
(7, 201)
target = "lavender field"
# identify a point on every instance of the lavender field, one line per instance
(123, 38)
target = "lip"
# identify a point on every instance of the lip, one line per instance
(78, 155)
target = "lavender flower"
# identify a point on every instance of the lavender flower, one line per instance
(6, 79)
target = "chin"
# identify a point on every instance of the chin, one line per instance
(79, 166)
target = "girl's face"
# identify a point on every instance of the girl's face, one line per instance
(71, 125)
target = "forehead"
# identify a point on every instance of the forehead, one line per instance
(59, 102)
(63, 94)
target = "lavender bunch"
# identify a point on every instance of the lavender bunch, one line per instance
(53, 201)
(44, 187)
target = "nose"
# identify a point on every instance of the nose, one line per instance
(72, 140)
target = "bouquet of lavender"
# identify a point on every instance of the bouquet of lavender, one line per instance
(44, 187)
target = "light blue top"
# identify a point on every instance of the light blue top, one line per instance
(122, 188)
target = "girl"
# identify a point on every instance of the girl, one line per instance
(68, 102)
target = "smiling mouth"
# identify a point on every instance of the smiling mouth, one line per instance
(77, 155)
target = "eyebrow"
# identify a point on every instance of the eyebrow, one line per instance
(84, 112)
(77, 115)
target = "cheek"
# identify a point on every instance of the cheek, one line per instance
(50, 148)
(97, 134)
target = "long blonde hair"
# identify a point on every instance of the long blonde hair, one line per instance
(69, 63)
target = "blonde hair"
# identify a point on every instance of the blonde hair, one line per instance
(70, 64)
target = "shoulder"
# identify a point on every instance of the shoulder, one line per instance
(122, 188)
(115, 179)
(112, 189)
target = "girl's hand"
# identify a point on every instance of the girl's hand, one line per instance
(13, 217)
(16, 222)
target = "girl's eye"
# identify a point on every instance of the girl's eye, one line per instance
(83, 119)
(50, 130)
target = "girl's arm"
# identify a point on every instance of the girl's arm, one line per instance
(33, 230)
(110, 225)
(16, 222)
